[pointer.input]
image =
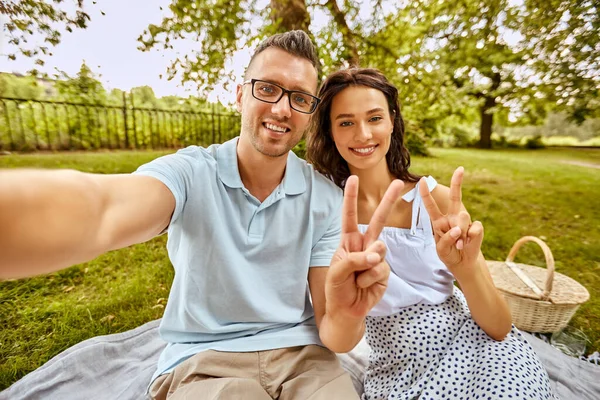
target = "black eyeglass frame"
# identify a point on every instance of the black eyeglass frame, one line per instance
(283, 92)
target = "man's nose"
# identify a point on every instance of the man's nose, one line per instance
(282, 107)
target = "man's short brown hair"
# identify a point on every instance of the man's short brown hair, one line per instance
(297, 43)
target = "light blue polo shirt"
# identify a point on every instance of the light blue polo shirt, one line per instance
(241, 266)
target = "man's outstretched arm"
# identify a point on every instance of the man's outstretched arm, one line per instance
(51, 220)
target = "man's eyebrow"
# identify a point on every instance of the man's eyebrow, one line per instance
(295, 87)
(373, 111)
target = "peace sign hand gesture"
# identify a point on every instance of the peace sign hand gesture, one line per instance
(458, 241)
(358, 274)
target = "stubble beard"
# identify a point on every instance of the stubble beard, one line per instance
(259, 144)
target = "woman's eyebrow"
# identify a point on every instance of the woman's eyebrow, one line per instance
(340, 116)
(373, 111)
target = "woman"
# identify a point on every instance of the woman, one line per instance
(428, 339)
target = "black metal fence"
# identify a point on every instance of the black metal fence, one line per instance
(28, 125)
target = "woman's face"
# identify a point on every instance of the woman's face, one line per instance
(361, 126)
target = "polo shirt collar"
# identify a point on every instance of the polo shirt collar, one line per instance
(293, 183)
(227, 163)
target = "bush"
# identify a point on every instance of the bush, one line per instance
(414, 139)
(592, 142)
(455, 136)
(535, 143)
(300, 149)
(502, 142)
(561, 141)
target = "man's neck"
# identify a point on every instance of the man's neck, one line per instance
(260, 174)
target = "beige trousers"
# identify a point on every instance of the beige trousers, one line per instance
(295, 373)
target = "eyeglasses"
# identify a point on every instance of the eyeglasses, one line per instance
(271, 93)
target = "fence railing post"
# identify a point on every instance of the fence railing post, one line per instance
(125, 120)
(135, 141)
(212, 120)
(9, 127)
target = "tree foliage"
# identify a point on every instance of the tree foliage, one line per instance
(84, 88)
(564, 38)
(29, 19)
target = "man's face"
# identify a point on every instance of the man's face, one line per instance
(274, 129)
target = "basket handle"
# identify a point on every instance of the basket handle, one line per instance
(519, 272)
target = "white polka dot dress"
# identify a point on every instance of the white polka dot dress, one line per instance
(425, 344)
(439, 352)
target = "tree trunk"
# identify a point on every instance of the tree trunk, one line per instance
(290, 15)
(487, 116)
(487, 121)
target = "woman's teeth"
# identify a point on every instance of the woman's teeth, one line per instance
(364, 150)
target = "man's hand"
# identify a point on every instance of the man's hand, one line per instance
(357, 277)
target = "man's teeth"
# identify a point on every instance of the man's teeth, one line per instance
(276, 128)
(364, 150)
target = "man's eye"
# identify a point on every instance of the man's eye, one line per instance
(267, 89)
(300, 99)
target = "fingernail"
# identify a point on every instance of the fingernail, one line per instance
(373, 258)
(455, 232)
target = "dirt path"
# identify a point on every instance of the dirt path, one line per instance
(582, 164)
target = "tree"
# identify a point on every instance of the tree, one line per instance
(84, 88)
(398, 45)
(222, 27)
(20, 87)
(29, 18)
(472, 41)
(565, 40)
(516, 60)
(144, 97)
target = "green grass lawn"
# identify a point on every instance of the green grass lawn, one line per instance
(514, 193)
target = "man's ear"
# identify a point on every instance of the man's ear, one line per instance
(239, 93)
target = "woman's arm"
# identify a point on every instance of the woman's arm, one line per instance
(459, 247)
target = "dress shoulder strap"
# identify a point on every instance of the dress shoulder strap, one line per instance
(420, 218)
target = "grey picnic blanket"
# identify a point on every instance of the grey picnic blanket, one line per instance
(120, 366)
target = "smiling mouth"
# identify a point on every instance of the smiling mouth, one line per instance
(276, 128)
(363, 151)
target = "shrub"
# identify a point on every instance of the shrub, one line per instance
(535, 143)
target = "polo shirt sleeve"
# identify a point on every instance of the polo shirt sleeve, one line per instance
(176, 172)
(323, 250)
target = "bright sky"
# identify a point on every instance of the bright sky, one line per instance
(109, 48)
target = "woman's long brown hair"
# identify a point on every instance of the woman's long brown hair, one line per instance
(321, 150)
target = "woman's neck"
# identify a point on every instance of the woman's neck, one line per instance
(373, 182)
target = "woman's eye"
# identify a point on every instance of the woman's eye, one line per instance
(346, 123)
(375, 119)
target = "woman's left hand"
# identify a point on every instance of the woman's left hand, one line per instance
(458, 240)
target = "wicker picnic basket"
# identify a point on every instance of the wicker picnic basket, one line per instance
(534, 309)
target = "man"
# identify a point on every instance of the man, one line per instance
(252, 229)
